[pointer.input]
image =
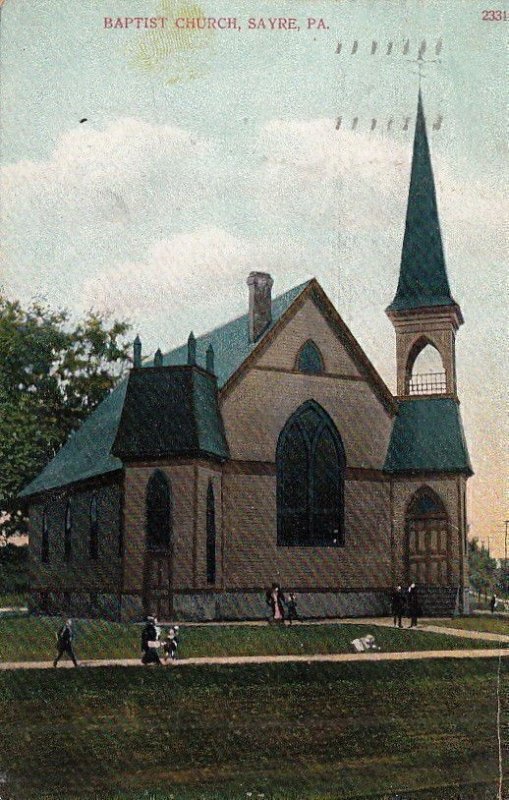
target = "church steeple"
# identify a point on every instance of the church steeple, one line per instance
(423, 277)
(423, 311)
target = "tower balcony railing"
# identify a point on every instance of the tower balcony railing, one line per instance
(428, 383)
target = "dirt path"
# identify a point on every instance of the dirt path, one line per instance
(275, 659)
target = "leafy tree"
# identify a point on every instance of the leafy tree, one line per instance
(484, 573)
(53, 373)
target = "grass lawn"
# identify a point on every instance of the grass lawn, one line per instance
(27, 638)
(284, 731)
(13, 600)
(477, 623)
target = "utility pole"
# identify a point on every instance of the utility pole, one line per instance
(506, 572)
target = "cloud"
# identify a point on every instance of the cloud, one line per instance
(100, 196)
(205, 270)
(360, 179)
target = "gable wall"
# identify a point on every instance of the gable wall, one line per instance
(258, 406)
(255, 411)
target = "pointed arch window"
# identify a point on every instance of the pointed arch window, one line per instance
(159, 522)
(310, 463)
(93, 544)
(68, 532)
(211, 535)
(309, 359)
(45, 538)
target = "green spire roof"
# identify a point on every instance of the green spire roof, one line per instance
(423, 277)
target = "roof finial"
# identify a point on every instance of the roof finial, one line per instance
(137, 352)
(191, 350)
(210, 359)
(158, 358)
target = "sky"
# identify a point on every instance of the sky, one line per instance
(208, 154)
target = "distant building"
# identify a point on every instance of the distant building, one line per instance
(270, 450)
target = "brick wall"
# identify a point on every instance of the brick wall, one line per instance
(189, 482)
(80, 572)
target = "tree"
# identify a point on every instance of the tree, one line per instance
(483, 569)
(53, 373)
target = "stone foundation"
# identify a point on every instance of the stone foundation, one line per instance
(212, 606)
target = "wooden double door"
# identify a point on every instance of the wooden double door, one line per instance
(428, 541)
(157, 585)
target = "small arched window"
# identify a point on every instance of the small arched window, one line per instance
(68, 532)
(310, 462)
(45, 538)
(309, 359)
(211, 535)
(158, 512)
(93, 545)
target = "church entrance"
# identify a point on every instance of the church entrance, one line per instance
(157, 566)
(428, 556)
(157, 586)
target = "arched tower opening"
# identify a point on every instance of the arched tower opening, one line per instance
(425, 372)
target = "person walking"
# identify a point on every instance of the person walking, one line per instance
(171, 644)
(413, 605)
(64, 643)
(493, 603)
(149, 641)
(292, 608)
(398, 606)
(276, 598)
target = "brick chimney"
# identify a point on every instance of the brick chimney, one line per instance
(260, 303)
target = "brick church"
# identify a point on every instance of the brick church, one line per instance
(270, 450)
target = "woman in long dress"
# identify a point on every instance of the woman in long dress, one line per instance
(276, 601)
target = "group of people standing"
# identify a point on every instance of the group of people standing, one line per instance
(277, 601)
(406, 603)
(152, 643)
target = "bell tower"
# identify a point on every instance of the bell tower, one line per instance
(423, 312)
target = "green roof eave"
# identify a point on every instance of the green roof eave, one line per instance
(427, 436)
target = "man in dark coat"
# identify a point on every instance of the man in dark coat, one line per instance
(64, 643)
(413, 605)
(398, 606)
(148, 636)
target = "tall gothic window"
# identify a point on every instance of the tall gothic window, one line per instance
(158, 512)
(211, 535)
(93, 544)
(68, 532)
(45, 538)
(310, 359)
(310, 461)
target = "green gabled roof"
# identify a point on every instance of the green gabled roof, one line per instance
(231, 342)
(423, 277)
(88, 451)
(170, 411)
(427, 436)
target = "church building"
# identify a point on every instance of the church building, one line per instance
(270, 450)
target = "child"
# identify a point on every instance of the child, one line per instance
(292, 608)
(171, 644)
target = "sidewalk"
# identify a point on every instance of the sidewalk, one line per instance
(277, 659)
